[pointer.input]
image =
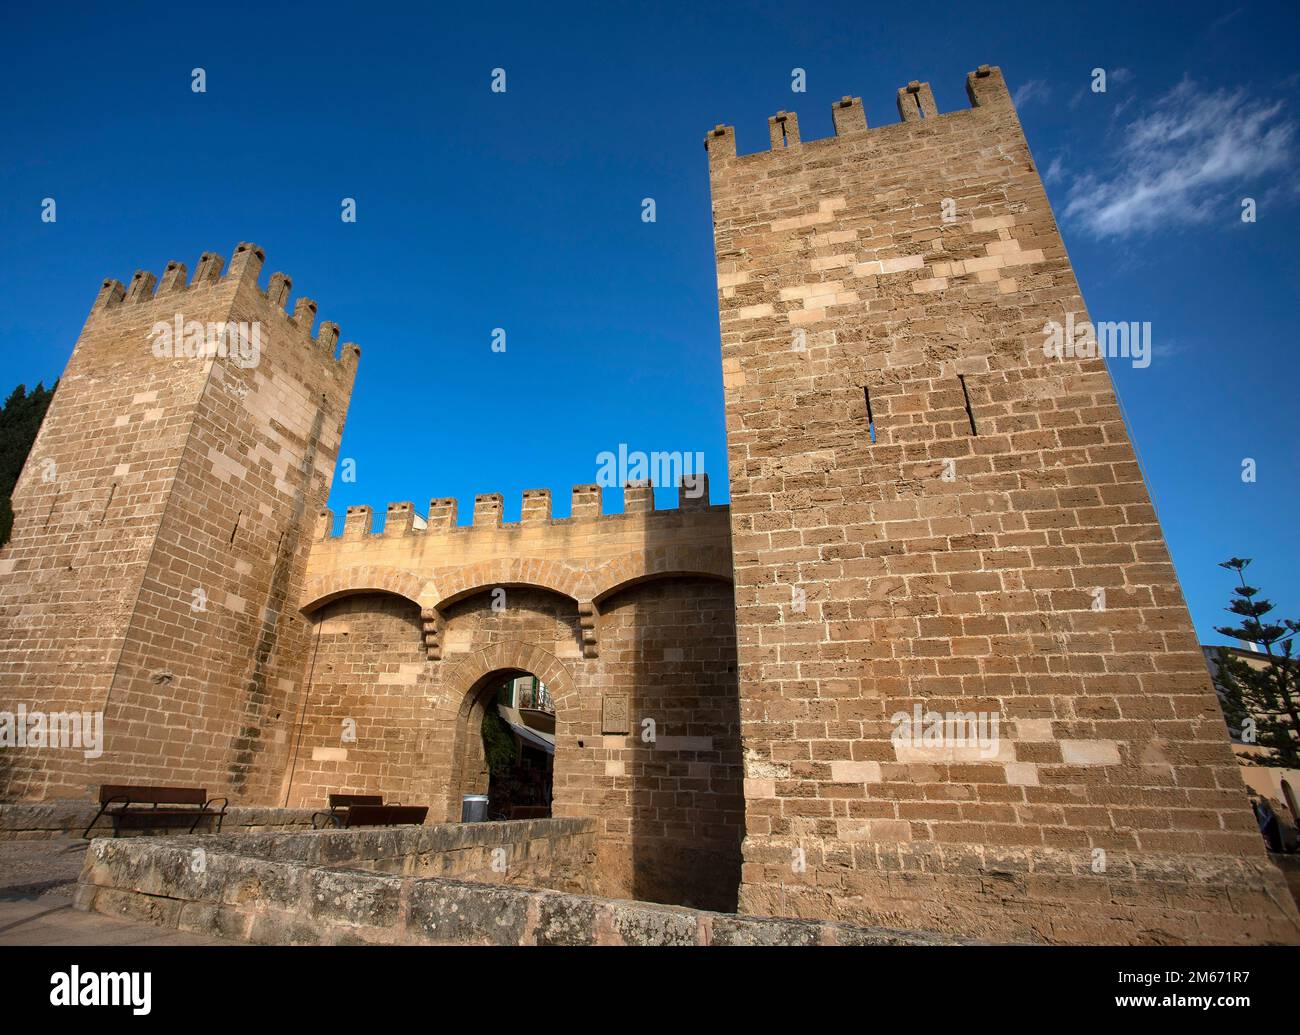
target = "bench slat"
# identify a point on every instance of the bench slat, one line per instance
(153, 795)
(385, 815)
(344, 801)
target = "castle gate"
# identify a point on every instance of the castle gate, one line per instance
(627, 619)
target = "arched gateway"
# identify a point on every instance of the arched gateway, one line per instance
(483, 673)
(627, 620)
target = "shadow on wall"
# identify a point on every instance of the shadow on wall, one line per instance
(364, 725)
(683, 770)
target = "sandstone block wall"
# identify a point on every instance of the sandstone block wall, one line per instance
(626, 618)
(312, 890)
(926, 511)
(544, 853)
(162, 528)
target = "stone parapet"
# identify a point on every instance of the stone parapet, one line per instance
(260, 889)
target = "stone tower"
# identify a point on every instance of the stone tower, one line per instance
(162, 527)
(932, 518)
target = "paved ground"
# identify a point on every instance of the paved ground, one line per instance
(37, 879)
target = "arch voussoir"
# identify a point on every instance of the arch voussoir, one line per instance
(699, 561)
(456, 584)
(365, 578)
(470, 670)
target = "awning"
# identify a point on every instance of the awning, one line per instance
(536, 738)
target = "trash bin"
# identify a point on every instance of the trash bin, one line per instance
(473, 808)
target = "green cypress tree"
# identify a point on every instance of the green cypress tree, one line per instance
(498, 742)
(20, 420)
(1263, 702)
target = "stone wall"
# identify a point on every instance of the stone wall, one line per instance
(628, 619)
(366, 662)
(670, 811)
(161, 535)
(159, 577)
(929, 513)
(327, 888)
(542, 853)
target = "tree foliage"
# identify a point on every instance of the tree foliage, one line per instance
(20, 420)
(1264, 702)
(498, 742)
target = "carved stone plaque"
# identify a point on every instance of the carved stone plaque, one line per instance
(614, 714)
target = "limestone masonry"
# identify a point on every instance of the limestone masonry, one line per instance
(925, 512)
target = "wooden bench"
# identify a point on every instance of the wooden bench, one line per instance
(340, 804)
(164, 803)
(385, 815)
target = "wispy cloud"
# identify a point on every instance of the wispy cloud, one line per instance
(1167, 348)
(1178, 163)
(1030, 91)
(1223, 20)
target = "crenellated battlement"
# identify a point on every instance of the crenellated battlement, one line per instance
(192, 440)
(915, 102)
(588, 557)
(245, 268)
(587, 505)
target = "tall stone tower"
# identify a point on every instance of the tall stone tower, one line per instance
(931, 517)
(162, 527)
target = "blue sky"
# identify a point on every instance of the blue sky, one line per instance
(522, 210)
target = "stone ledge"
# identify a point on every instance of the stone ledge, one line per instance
(287, 901)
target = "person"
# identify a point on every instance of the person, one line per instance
(1268, 824)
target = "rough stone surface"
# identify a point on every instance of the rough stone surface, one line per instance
(928, 511)
(161, 531)
(248, 890)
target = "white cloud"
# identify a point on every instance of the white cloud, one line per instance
(1165, 349)
(1032, 90)
(1223, 20)
(1180, 162)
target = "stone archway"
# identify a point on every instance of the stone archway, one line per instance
(619, 573)
(368, 578)
(475, 678)
(456, 584)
